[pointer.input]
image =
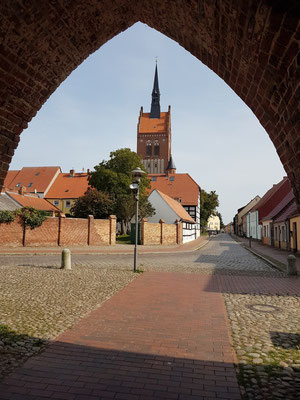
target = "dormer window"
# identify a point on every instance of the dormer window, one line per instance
(66, 190)
(37, 174)
(172, 178)
(18, 184)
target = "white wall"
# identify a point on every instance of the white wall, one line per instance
(162, 209)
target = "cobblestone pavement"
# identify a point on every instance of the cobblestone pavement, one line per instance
(39, 299)
(266, 336)
(220, 255)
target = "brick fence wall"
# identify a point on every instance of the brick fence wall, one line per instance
(60, 232)
(160, 233)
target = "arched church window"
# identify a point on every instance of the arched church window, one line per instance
(156, 148)
(148, 148)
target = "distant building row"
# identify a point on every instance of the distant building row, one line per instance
(273, 219)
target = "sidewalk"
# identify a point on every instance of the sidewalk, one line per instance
(276, 256)
(164, 336)
(117, 249)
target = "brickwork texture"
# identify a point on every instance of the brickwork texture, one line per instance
(160, 233)
(252, 45)
(60, 232)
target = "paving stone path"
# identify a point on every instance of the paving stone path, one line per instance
(162, 336)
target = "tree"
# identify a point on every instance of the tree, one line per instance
(114, 177)
(93, 202)
(222, 226)
(208, 204)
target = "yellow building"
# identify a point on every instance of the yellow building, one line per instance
(213, 223)
(66, 189)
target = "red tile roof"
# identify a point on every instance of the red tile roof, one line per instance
(280, 206)
(176, 207)
(289, 212)
(68, 187)
(33, 178)
(153, 125)
(183, 187)
(272, 197)
(32, 201)
(10, 176)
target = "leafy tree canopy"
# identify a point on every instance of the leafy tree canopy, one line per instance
(93, 202)
(114, 177)
(222, 226)
(208, 204)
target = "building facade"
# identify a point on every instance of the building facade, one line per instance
(154, 135)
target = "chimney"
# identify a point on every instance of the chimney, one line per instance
(22, 190)
(72, 172)
(88, 171)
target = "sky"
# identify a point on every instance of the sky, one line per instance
(215, 137)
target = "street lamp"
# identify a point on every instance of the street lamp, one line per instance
(137, 174)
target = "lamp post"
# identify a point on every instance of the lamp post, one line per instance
(135, 187)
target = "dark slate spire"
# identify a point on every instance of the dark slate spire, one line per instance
(171, 164)
(155, 106)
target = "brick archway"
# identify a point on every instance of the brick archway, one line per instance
(253, 46)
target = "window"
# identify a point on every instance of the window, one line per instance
(172, 178)
(154, 178)
(265, 231)
(56, 202)
(68, 203)
(156, 148)
(37, 174)
(275, 233)
(18, 184)
(30, 184)
(148, 148)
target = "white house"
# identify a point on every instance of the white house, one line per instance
(171, 211)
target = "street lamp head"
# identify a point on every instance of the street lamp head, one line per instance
(138, 173)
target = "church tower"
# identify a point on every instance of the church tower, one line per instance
(154, 135)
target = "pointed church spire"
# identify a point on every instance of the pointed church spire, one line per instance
(155, 106)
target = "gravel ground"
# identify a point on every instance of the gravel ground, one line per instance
(266, 335)
(40, 303)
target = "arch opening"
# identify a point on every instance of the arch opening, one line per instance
(253, 47)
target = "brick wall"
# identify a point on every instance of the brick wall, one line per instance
(60, 231)
(160, 233)
(11, 234)
(252, 45)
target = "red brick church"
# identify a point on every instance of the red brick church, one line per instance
(154, 140)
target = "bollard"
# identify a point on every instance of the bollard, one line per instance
(291, 266)
(250, 238)
(66, 259)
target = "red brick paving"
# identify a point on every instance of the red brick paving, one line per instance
(165, 336)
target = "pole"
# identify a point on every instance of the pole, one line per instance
(136, 230)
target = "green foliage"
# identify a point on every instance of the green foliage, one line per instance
(93, 202)
(7, 216)
(32, 217)
(222, 226)
(208, 204)
(114, 177)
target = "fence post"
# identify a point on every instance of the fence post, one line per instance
(291, 266)
(161, 221)
(112, 230)
(60, 219)
(89, 239)
(144, 221)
